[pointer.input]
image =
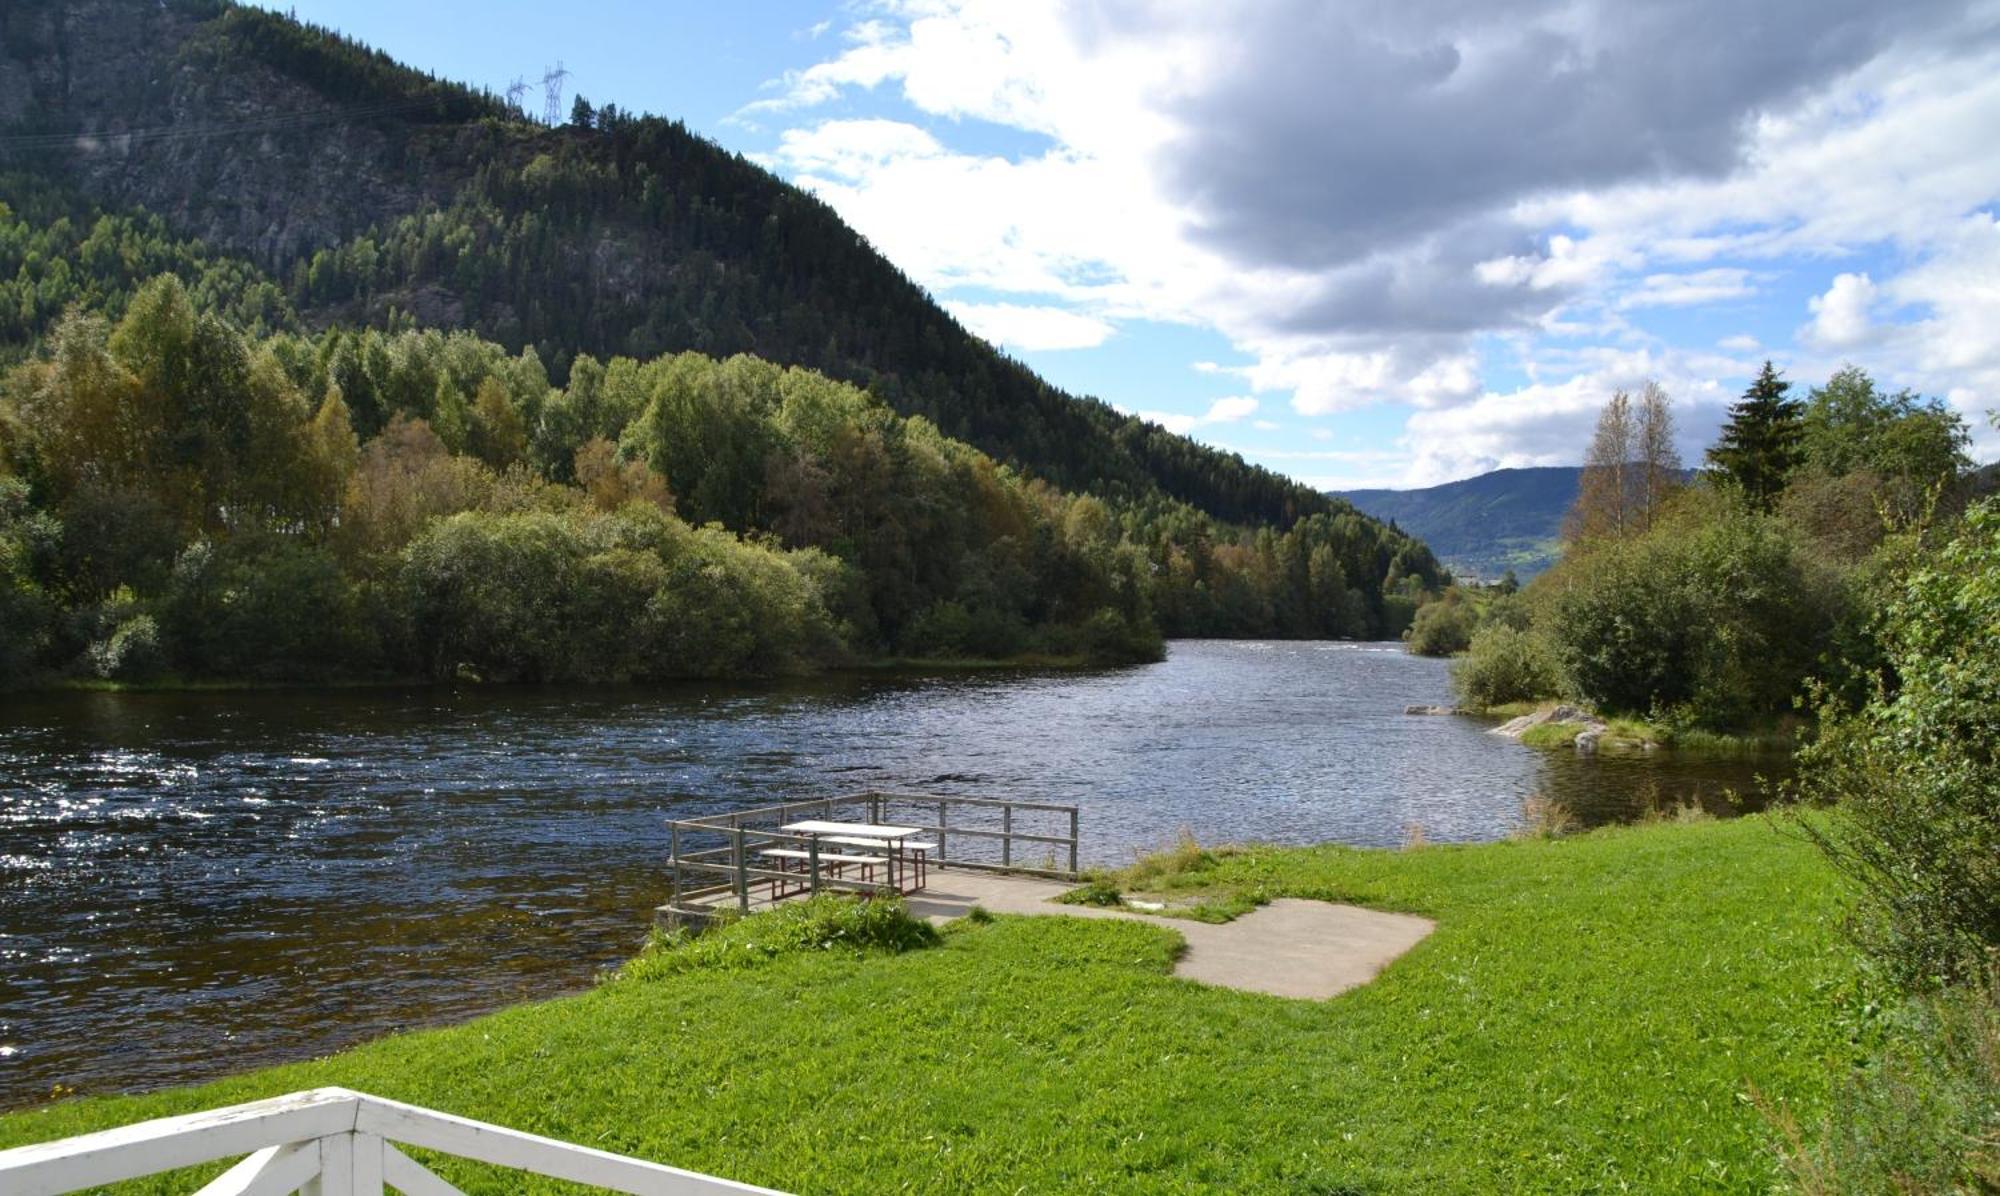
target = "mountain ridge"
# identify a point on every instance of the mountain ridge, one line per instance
(1485, 525)
(371, 192)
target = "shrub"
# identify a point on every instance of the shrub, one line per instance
(264, 608)
(829, 922)
(1504, 665)
(942, 630)
(26, 613)
(1916, 773)
(1717, 611)
(1096, 891)
(131, 652)
(1108, 637)
(1922, 1115)
(1442, 628)
(578, 595)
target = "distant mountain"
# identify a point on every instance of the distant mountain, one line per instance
(1481, 527)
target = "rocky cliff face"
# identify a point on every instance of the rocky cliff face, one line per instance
(170, 113)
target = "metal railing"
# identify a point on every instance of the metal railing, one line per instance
(330, 1142)
(717, 859)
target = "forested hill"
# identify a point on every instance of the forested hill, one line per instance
(297, 180)
(1483, 526)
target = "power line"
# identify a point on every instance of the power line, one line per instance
(552, 81)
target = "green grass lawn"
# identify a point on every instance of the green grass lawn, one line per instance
(1592, 1015)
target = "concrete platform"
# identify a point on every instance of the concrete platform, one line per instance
(1309, 950)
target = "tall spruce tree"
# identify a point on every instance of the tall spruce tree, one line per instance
(1759, 446)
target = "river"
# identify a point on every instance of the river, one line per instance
(191, 884)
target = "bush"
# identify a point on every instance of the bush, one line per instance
(942, 630)
(1922, 1115)
(131, 652)
(27, 615)
(1442, 628)
(829, 922)
(1717, 612)
(1916, 774)
(1108, 637)
(582, 596)
(266, 609)
(1096, 891)
(1504, 665)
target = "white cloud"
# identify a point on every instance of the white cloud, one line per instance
(1841, 316)
(1032, 328)
(1232, 409)
(1691, 289)
(1346, 193)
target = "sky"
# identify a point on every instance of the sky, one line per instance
(1365, 243)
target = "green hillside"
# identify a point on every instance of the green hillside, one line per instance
(288, 320)
(301, 180)
(1483, 526)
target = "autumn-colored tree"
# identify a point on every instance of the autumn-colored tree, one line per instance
(611, 483)
(1631, 471)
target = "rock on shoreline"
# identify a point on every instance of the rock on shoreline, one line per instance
(1586, 739)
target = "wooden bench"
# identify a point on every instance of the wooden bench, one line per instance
(918, 849)
(832, 861)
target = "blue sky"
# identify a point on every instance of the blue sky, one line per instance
(1369, 243)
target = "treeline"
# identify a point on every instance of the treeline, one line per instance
(1723, 604)
(613, 235)
(180, 497)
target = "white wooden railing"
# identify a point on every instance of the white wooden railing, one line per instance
(329, 1142)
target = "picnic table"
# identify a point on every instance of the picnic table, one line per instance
(898, 847)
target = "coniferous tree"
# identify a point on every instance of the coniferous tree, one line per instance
(1759, 446)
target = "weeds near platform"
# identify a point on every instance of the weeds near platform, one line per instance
(829, 922)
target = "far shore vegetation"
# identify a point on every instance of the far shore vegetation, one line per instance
(180, 499)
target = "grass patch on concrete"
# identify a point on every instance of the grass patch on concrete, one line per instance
(1596, 1013)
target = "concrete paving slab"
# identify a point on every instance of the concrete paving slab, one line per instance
(1309, 950)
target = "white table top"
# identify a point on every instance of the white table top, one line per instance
(859, 830)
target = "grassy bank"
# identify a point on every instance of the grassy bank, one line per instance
(1592, 1014)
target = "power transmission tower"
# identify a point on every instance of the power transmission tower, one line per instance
(552, 82)
(515, 91)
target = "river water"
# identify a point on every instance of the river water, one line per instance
(191, 884)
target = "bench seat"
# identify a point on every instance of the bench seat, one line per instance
(825, 857)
